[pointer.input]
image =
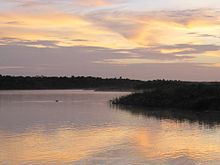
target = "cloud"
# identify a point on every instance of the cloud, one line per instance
(80, 60)
(10, 67)
(108, 37)
(168, 54)
(189, 48)
(12, 22)
(114, 29)
(150, 28)
(94, 3)
(57, 4)
(62, 27)
(179, 53)
(28, 43)
(129, 61)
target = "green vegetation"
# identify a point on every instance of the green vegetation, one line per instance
(42, 82)
(176, 95)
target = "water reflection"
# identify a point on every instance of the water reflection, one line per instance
(181, 146)
(83, 129)
(61, 146)
(210, 119)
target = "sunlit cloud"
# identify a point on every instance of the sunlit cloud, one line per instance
(127, 61)
(96, 3)
(152, 28)
(214, 65)
(167, 51)
(64, 28)
(213, 53)
(112, 29)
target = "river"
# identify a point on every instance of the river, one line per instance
(81, 127)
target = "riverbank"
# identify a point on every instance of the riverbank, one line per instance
(199, 97)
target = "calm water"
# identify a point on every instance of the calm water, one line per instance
(82, 128)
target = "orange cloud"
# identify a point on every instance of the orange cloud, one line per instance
(61, 27)
(153, 28)
(94, 3)
(124, 30)
(179, 50)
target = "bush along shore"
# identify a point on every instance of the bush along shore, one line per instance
(179, 95)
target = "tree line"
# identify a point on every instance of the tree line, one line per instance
(80, 82)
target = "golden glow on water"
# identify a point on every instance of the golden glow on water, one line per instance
(142, 138)
(67, 145)
(176, 141)
(60, 146)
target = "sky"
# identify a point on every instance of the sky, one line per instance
(138, 39)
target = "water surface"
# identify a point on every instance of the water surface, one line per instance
(82, 128)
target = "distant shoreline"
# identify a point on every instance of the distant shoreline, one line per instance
(80, 90)
(8, 82)
(67, 83)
